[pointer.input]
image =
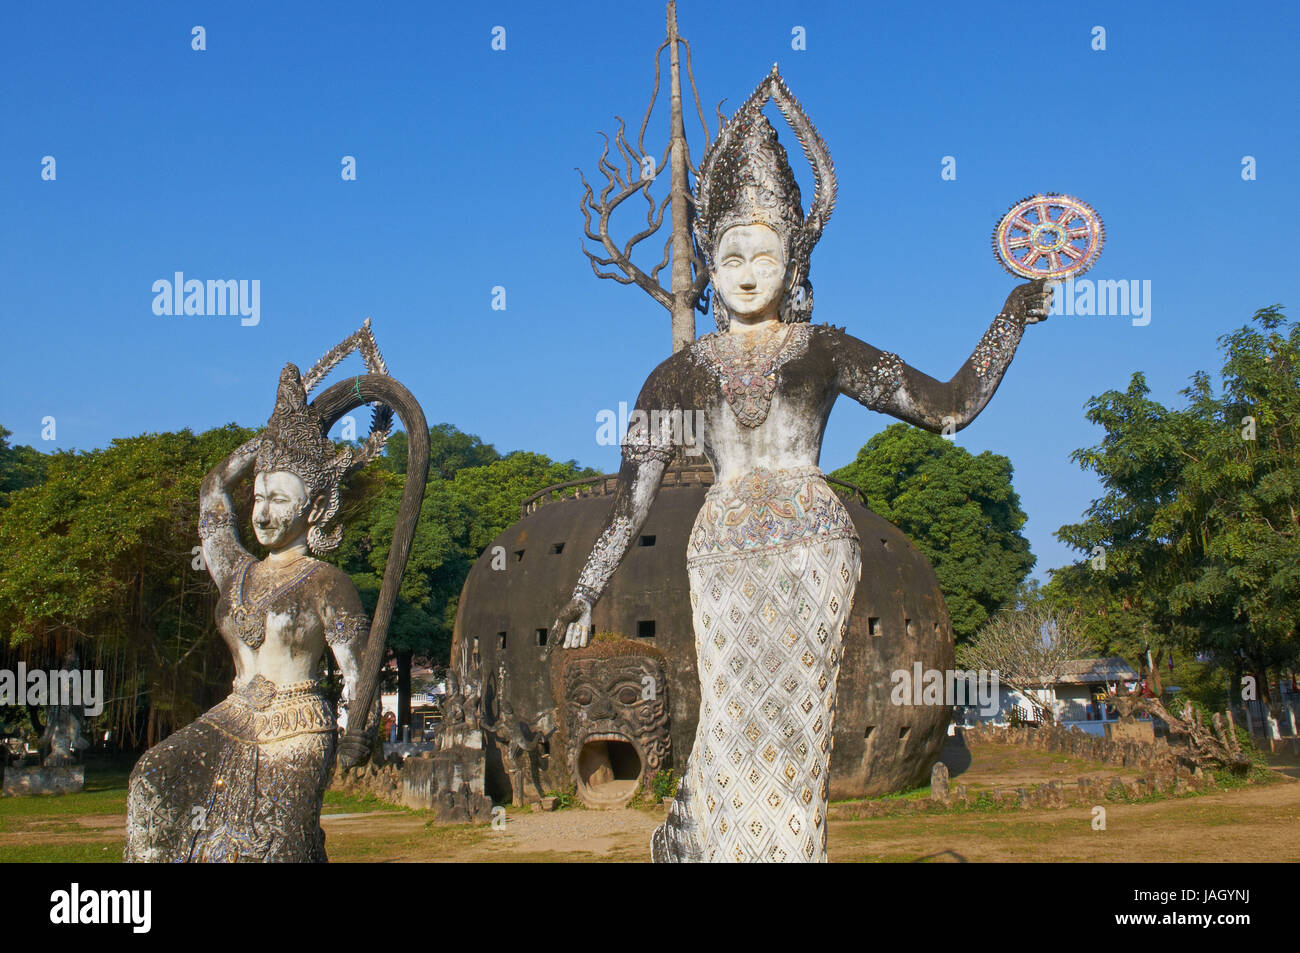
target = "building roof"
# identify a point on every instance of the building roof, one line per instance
(1088, 671)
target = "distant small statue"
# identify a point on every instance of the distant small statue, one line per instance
(64, 737)
(453, 705)
(521, 741)
(472, 696)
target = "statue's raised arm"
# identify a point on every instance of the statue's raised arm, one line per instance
(218, 526)
(648, 448)
(882, 381)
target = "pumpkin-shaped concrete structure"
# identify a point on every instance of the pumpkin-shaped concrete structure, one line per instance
(505, 613)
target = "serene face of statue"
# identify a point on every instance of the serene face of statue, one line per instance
(280, 511)
(749, 271)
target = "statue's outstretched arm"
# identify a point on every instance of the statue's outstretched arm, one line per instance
(883, 382)
(218, 531)
(648, 448)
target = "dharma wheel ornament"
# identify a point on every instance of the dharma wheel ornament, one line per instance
(1049, 236)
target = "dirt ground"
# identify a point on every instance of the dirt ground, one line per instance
(1010, 766)
(568, 835)
(1253, 824)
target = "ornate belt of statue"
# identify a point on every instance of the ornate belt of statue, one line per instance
(773, 558)
(244, 782)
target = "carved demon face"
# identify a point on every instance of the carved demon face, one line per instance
(616, 715)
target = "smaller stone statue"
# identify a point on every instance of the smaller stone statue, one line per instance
(521, 741)
(453, 706)
(472, 699)
(244, 782)
(64, 737)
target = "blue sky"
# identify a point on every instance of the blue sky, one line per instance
(225, 163)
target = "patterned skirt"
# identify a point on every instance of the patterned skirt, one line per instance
(243, 782)
(773, 563)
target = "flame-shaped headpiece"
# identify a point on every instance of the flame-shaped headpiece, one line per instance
(295, 438)
(745, 179)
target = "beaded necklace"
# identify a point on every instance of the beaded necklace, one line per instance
(250, 617)
(748, 373)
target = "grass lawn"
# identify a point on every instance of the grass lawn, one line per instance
(1242, 823)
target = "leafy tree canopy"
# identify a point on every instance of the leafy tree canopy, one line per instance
(959, 509)
(20, 467)
(1196, 540)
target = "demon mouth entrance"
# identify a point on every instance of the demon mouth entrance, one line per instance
(609, 770)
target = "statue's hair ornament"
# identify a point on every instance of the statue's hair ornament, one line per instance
(745, 179)
(295, 440)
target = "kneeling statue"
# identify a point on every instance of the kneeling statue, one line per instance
(245, 781)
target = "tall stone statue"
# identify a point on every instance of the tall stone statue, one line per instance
(773, 558)
(245, 781)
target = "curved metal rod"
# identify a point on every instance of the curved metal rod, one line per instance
(330, 406)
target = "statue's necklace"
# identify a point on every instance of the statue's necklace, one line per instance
(250, 616)
(747, 371)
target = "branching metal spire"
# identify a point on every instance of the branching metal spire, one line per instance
(689, 277)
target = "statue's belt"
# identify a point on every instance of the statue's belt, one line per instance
(260, 712)
(765, 510)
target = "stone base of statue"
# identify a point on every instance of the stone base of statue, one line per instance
(463, 806)
(24, 782)
(458, 770)
(450, 780)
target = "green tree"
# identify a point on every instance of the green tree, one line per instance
(494, 493)
(1121, 587)
(450, 450)
(99, 557)
(20, 467)
(1198, 524)
(959, 509)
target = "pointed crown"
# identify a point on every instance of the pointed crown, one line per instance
(745, 179)
(295, 438)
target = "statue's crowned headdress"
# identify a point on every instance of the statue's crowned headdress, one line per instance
(745, 179)
(295, 438)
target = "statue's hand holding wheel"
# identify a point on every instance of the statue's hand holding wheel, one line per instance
(1031, 301)
(1047, 238)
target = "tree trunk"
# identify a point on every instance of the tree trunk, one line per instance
(683, 310)
(1272, 711)
(1157, 684)
(403, 690)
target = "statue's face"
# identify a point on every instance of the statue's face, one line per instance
(619, 699)
(280, 516)
(749, 270)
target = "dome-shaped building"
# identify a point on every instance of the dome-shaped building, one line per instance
(615, 725)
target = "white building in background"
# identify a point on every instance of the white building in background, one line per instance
(1075, 700)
